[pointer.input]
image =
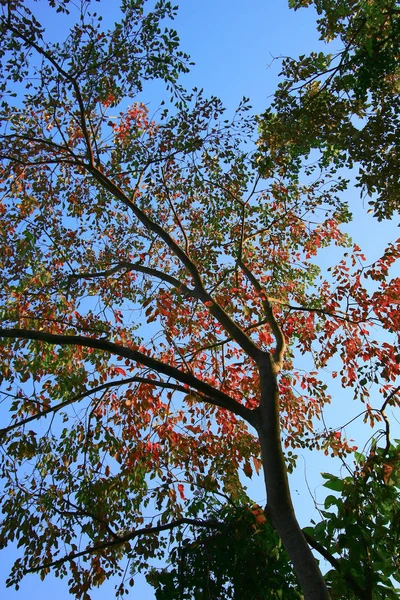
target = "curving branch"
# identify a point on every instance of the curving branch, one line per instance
(341, 316)
(214, 396)
(129, 266)
(48, 143)
(118, 540)
(336, 564)
(104, 386)
(68, 77)
(385, 418)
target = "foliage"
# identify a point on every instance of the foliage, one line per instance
(360, 529)
(158, 301)
(243, 558)
(345, 104)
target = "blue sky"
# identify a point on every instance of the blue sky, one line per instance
(233, 44)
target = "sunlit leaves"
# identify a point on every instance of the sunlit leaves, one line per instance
(344, 105)
(148, 274)
(361, 521)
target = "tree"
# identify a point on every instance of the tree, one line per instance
(345, 104)
(216, 563)
(157, 296)
(358, 536)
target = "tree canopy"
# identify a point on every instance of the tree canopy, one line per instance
(161, 292)
(344, 104)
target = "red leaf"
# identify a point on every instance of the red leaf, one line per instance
(119, 371)
(181, 490)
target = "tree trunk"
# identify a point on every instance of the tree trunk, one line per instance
(279, 503)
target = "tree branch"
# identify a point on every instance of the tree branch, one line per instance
(41, 142)
(276, 330)
(126, 538)
(335, 563)
(214, 308)
(177, 219)
(67, 76)
(386, 420)
(215, 396)
(129, 266)
(321, 311)
(86, 393)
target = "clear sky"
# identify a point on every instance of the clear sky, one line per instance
(234, 44)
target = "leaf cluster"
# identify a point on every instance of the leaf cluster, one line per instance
(360, 528)
(243, 558)
(342, 104)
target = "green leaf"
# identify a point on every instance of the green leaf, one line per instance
(333, 482)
